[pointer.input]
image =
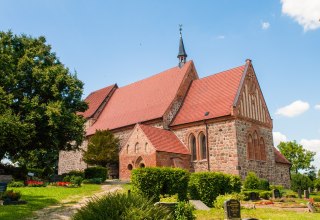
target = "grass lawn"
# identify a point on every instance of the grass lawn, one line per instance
(259, 213)
(41, 197)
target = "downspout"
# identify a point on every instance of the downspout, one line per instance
(207, 139)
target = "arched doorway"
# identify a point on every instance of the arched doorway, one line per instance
(139, 163)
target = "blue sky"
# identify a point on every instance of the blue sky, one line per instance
(121, 42)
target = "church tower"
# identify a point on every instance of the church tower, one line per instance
(182, 55)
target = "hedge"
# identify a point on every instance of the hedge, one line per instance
(206, 186)
(155, 181)
(96, 172)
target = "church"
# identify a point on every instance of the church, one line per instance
(219, 123)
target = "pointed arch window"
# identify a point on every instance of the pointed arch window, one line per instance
(193, 147)
(203, 146)
(128, 149)
(263, 149)
(257, 154)
(250, 148)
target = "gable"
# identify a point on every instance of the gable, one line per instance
(250, 103)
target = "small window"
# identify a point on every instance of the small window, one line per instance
(256, 147)
(250, 151)
(203, 146)
(130, 166)
(193, 147)
(263, 150)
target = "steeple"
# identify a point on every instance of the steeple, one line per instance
(182, 55)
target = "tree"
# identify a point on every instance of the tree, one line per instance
(299, 157)
(103, 148)
(39, 98)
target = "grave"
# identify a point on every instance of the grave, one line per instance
(199, 205)
(232, 209)
(306, 194)
(299, 193)
(253, 196)
(276, 194)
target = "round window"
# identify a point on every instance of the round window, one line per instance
(142, 165)
(130, 167)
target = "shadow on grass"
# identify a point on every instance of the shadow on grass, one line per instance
(15, 212)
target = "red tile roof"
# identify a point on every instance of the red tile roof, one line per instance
(164, 140)
(95, 99)
(144, 100)
(279, 158)
(214, 94)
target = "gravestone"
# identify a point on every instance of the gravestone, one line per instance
(3, 187)
(253, 196)
(199, 205)
(276, 194)
(311, 207)
(299, 193)
(310, 190)
(232, 209)
(306, 194)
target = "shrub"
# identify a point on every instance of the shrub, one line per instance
(265, 194)
(316, 198)
(247, 193)
(316, 183)
(289, 194)
(96, 172)
(76, 173)
(11, 195)
(206, 186)
(155, 181)
(218, 203)
(251, 181)
(16, 184)
(183, 211)
(300, 181)
(76, 180)
(37, 172)
(118, 206)
(278, 187)
(264, 184)
(92, 181)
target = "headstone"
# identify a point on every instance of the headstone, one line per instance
(3, 187)
(30, 174)
(276, 194)
(232, 209)
(199, 205)
(306, 194)
(311, 207)
(299, 193)
(310, 190)
(253, 196)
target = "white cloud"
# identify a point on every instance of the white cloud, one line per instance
(221, 37)
(317, 107)
(294, 109)
(278, 137)
(305, 12)
(265, 25)
(313, 145)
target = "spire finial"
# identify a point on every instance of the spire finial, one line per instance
(182, 55)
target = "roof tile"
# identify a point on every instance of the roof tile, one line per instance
(279, 158)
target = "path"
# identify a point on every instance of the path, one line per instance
(67, 208)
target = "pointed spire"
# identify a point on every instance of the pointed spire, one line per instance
(182, 55)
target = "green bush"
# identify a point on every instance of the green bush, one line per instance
(37, 172)
(118, 206)
(316, 198)
(265, 194)
(264, 184)
(155, 181)
(76, 180)
(316, 183)
(251, 181)
(218, 203)
(206, 186)
(96, 172)
(92, 181)
(76, 173)
(16, 184)
(300, 181)
(183, 211)
(289, 194)
(11, 195)
(247, 193)
(278, 187)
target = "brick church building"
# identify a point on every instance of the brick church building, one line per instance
(174, 118)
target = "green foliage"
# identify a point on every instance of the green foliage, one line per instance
(265, 194)
(316, 183)
(184, 211)
(300, 181)
(278, 187)
(299, 157)
(247, 193)
(155, 181)
(96, 172)
(316, 198)
(92, 181)
(206, 186)
(11, 195)
(251, 181)
(39, 98)
(16, 184)
(76, 180)
(103, 148)
(18, 173)
(289, 194)
(264, 184)
(218, 203)
(118, 206)
(76, 173)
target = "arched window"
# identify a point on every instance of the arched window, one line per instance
(263, 149)
(193, 147)
(257, 155)
(146, 147)
(128, 149)
(137, 148)
(203, 146)
(250, 151)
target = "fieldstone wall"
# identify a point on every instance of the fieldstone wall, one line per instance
(283, 175)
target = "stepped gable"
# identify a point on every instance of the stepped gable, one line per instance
(279, 158)
(164, 140)
(95, 100)
(214, 94)
(141, 101)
